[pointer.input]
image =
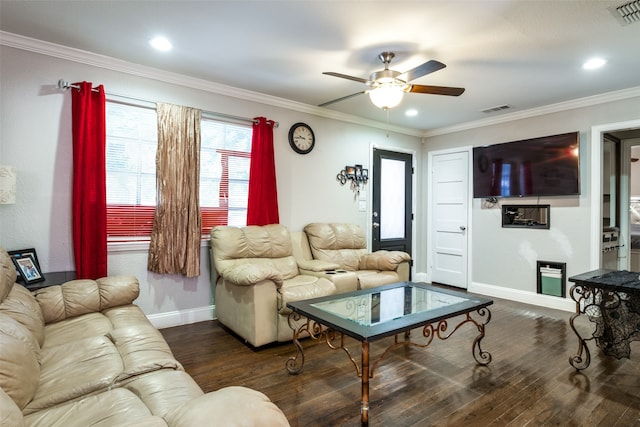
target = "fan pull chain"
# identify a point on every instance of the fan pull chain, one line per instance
(387, 110)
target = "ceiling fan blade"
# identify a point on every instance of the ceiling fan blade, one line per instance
(324, 104)
(344, 76)
(421, 70)
(437, 90)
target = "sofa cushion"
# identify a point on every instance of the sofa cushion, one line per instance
(164, 391)
(230, 407)
(143, 349)
(76, 328)
(117, 290)
(117, 407)
(343, 244)
(10, 414)
(23, 307)
(73, 370)
(125, 316)
(75, 298)
(78, 297)
(268, 244)
(19, 367)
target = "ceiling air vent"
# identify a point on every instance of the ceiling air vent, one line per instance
(627, 13)
(495, 109)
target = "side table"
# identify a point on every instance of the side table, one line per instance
(51, 279)
(611, 300)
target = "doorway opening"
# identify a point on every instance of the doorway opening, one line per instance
(611, 192)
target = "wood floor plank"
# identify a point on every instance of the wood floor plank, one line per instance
(528, 383)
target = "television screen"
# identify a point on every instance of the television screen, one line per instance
(547, 166)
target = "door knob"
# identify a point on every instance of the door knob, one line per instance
(462, 227)
(375, 225)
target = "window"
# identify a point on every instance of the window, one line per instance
(131, 182)
(225, 155)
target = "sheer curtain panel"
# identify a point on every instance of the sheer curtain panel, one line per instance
(89, 182)
(262, 205)
(175, 238)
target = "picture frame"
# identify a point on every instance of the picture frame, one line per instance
(31, 252)
(28, 268)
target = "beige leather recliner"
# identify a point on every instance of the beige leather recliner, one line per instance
(345, 247)
(257, 275)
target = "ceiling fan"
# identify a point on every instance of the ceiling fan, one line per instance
(389, 86)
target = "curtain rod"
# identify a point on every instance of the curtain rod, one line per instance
(64, 85)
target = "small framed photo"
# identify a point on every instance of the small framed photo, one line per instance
(28, 269)
(30, 252)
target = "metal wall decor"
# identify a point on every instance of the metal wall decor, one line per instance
(356, 174)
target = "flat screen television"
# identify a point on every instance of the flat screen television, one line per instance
(546, 166)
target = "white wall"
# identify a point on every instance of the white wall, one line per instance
(35, 137)
(504, 259)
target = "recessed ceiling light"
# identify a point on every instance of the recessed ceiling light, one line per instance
(411, 113)
(161, 43)
(594, 63)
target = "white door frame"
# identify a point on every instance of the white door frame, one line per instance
(469, 231)
(596, 184)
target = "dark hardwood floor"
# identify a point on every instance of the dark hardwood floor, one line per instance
(528, 383)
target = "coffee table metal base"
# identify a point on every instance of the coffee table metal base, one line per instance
(365, 371)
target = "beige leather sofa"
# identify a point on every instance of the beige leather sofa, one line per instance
(82, 354)
(257, 276)
(345, 245)
(259, 269)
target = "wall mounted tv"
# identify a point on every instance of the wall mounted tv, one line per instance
(546, 166)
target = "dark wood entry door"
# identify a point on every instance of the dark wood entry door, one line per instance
(392, 216)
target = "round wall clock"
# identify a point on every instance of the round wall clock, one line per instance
(301, 138)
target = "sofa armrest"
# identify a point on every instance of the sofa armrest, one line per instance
(79, 297)
(383, 260)
(317, 265)
(228, 407)
(250, 274)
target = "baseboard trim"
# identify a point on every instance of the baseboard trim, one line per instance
(565, 304)
(420, 277)
(182, 317)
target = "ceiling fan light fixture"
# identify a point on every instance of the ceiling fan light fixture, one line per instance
(386, 96)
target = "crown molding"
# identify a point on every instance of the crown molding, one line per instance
(113, 64)
(109, 63)
(539, 111)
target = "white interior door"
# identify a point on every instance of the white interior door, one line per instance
(449, 217)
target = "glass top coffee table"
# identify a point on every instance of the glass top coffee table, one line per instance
(371, 314)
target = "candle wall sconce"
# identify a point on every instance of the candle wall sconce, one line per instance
(356, 174)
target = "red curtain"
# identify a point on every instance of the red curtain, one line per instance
(89, 182)
(262, 206)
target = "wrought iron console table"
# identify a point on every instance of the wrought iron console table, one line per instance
(611, 300)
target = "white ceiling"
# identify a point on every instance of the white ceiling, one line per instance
(526, 54)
